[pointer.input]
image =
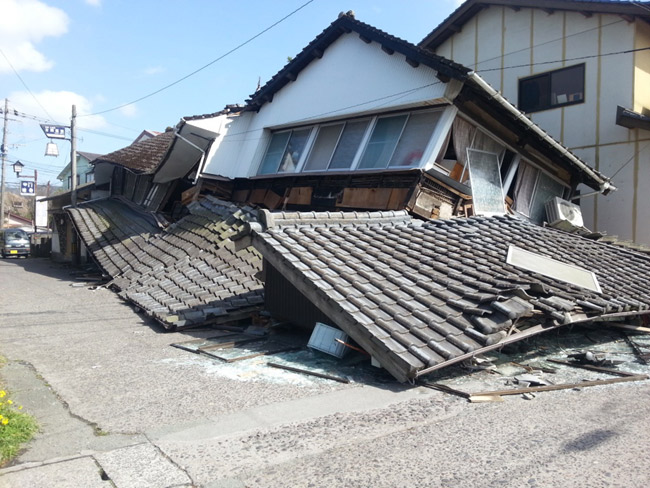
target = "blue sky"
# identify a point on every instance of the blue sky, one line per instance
(101, 54)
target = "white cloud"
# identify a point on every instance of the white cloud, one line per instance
(153, 70)
(59, 105)
(129, 110)
(26, 23)
(94, 3)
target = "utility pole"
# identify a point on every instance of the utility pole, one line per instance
(73, 156)
(3, 150)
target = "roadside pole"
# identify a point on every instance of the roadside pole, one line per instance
(4, 157)
(73, 156)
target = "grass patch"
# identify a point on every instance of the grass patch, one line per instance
(16, 428)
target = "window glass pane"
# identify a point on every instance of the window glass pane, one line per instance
(274, 153)
(484, 142)
(415, 138)
(294, 150)
(533, 94)
(567, 85)
(323, 148)
(348, 145)
(547, 188)
(382, 142)
(487, 192)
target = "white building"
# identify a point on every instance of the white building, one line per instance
(359, 103)
(581, 70)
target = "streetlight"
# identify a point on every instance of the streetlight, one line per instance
(58, 132)
(18, 167)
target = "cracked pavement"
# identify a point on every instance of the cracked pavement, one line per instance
(119, 407)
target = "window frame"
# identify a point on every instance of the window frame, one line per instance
(362, 147)
(549, 75)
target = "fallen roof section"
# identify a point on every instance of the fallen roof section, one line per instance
(142, 157)
(204, 275)
(114, 231)
(419, 296)
(186, 275)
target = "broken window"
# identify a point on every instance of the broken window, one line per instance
(533, 189)
(485, 178)
(552, 89)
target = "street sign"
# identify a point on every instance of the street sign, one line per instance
(54, 131)
(28, 188)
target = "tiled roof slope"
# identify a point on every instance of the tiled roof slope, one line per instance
(193, 272)
(141, 157)
(183, 276)
(418, 296)
(114, 231)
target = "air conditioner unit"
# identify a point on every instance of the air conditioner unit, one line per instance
(559, 213)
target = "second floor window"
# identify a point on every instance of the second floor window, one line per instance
(565, 86)
(393, 141)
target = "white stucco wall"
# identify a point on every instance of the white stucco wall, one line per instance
(530, 37)
(350, 79)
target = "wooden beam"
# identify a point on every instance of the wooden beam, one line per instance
(387, 49)
(591, 367)
(317, 53)
(340, 379)
(365, 39)
(412, 62)
(291, 76)
(566, 386)
(549, 11)
(588, 15)
(628, 18)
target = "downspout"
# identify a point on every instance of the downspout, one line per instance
(605, 185)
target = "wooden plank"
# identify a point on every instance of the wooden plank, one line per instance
(240, 196)
(373, 198)
(257, 195)
(635, 328)
(398, 198)
(569, 386)
(272, 200)
(591, 367)
(300, 195)
(340, 379)
(446, 389)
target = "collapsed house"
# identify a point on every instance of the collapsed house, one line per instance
(360, 120)
(181, 274)
(419, 296)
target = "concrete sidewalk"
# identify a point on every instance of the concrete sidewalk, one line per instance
(119, 407)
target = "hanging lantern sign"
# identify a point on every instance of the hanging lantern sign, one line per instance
(54, 131)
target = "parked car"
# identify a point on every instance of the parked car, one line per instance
(14, 242)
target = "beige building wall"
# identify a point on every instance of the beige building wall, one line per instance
(504, 45)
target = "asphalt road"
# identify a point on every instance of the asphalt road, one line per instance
(119, 407)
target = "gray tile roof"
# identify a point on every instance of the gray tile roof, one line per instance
(186, 275)
(141, 157)
(421, 295)
(114, 231)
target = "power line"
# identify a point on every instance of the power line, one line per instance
(25, 84)
(579, 58)
(205, 66)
